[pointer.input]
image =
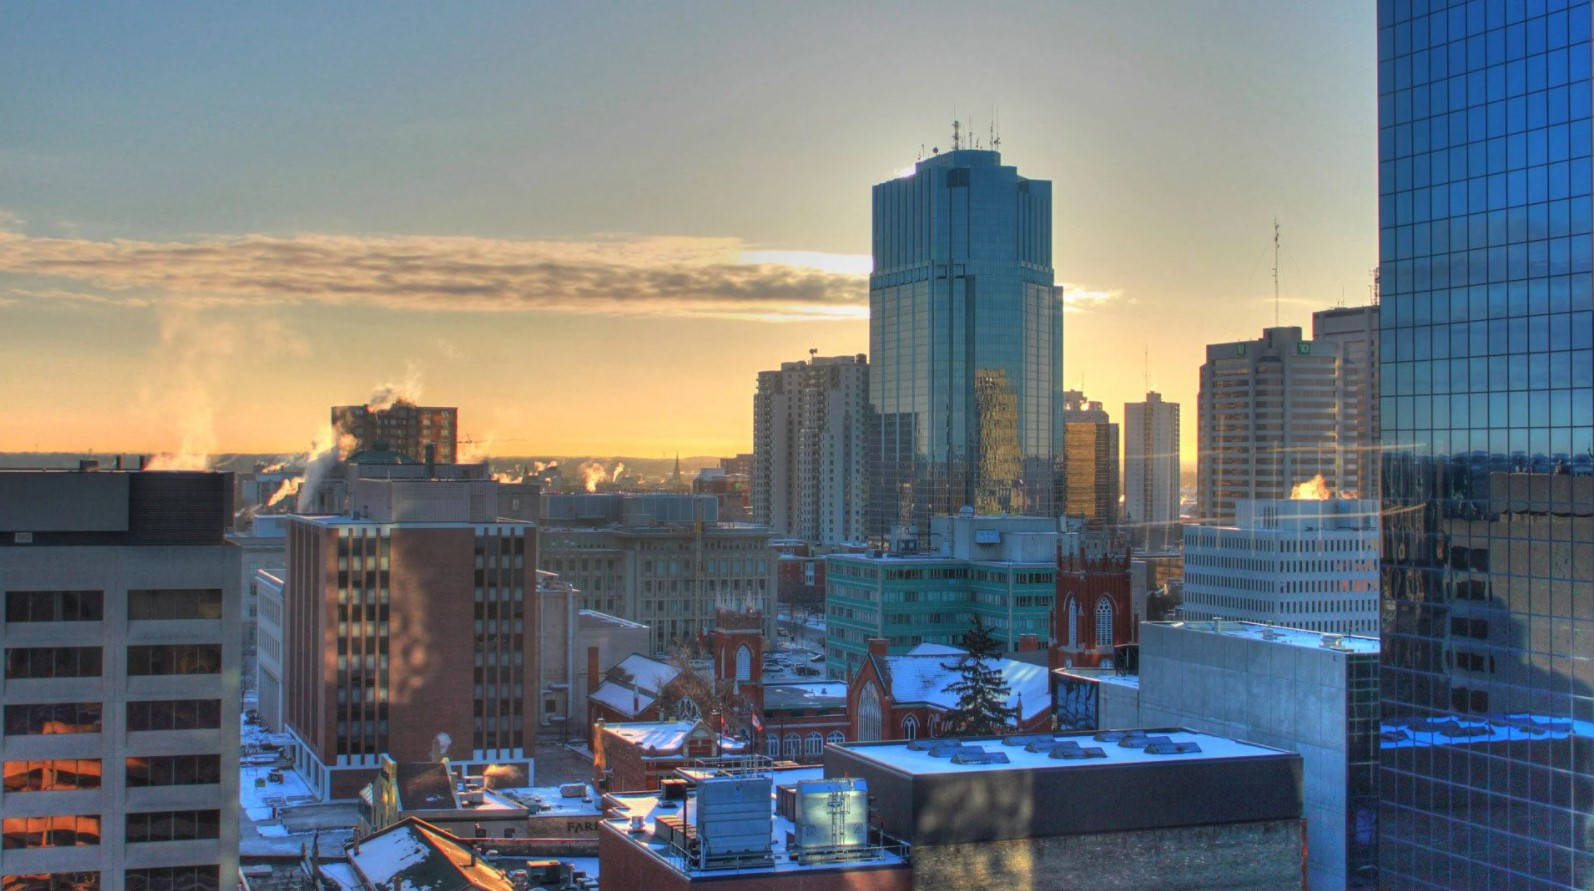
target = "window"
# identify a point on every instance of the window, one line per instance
(1104, 622)
(174, 659)
(53, 881)
(173, 603)
(174, 770)
(869, 714)
(174, 714)
(52, 776)
(174, 878)
(836, 737)
(744, 663)
(772, 745)
(55, 606)
(158, 826)
(815, 744)
(794, 746)
(910, 727)
(54, 717)
(52, 662)
(51, 832)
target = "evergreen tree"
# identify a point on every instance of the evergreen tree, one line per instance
(981, 690)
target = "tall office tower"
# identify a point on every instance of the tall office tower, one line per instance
(121, 639)
(1486, 338)
(409, 632)
(1151, 473)
(1355, 330)
(966, 346)
(400, 427)
(1090, 461)
(1305, 563)
(808, 449)
(1268, 419)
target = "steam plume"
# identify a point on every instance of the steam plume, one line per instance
(593, 473)
(1314, 489)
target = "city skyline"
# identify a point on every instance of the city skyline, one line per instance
(181, 188)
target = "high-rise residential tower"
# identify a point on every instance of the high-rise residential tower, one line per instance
(121, 639)
(1355, 330)
(1486, 339)
(1151, 472)
(808, 449)
(1269, 419)
(422, 434)
(966, 346)
(1090, 461)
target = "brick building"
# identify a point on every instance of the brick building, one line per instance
(424, 434)
(638, 756)
(905, 697)
(407, 632)
(1095, 607)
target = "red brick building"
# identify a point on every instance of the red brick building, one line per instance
(636, 757)
(905, 697)
(1095, 610)
(406, 632)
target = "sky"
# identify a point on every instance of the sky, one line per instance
(590, 225)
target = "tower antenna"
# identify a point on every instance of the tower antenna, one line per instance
(1275, 272)
(956, 139)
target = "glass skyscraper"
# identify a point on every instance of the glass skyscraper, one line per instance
(1487, 400)
(966, 346)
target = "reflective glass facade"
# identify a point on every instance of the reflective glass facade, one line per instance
(966, 345)
(1487, 402)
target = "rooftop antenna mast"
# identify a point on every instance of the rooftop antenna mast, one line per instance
(956, 139)
(1275, 272)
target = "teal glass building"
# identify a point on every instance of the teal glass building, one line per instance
(966, 346)
(1486, 753)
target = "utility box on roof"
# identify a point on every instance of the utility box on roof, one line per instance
(831, 815)
(733, 821)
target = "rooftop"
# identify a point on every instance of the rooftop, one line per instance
(1050, 751)
(921, 675)
(1289, 637)
(649, 806)
(665, 737)
(812, 694)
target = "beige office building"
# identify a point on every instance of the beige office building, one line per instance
(120, 690)
(1269, 418)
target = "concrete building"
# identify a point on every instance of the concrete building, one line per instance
(407, 633)
(575, 646)
(423, 434)
(1270, 416)
(1151, 473)
(1304, 563)
(659, 560)
(262, 547)
(268, 686)
(1310, 693)
(1355, 330)
(808, 478)
(1090, 461)
(1003, 569)
(1126, 809)
(121, 639)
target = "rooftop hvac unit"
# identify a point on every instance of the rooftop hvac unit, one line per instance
(1069, 750)
(734, 822)
(978, 755)
(832, 819)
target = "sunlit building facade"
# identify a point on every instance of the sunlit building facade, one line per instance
(1151, 472)
(966, 346)
(1090, 461)
(1487, 421)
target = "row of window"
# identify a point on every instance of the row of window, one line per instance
(163, 878)
(143, 604)
(66, 831)
(86, 717)
(797, 746)
(88, 662)
(65, 775)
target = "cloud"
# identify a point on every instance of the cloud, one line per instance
(703, 277)
(1082, 298)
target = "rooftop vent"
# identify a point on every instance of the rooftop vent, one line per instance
(949, 749)
(1028, 740)
(1332, 641)
(977, 755)
(1171, 748)
(1068, 750)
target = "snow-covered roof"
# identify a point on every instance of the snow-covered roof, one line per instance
(647, 674)
(919, 676)
(415, 854)
(813, 694)
(607, 619)
(622, 698)
(665, 737)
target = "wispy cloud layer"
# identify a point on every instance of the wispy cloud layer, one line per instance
(1081, 298)
(703, 277)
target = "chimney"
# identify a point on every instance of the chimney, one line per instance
(592, 670)
(118, 462)
(879, 646)
(1028, 643)
(142, 460)
(86, 464)
(431, 459)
